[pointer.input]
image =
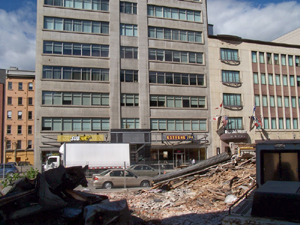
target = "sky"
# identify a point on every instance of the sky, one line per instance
(263, 20)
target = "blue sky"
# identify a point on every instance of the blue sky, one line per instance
(253, 19)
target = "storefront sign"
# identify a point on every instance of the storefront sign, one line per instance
(179, 137)
(71, 138)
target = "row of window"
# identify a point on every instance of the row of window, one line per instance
(277, 59)
(175, 56)
(84, 26)
(81, 4)
(20, 86)
(280, 124)
(229, 54)
(20, 115)
(75, 73)
(175, 35)
(178, 125)
(66, 48)
(20, 101)
(278, 79)
(174, 13)
(232, 100)
(128, 52)
(129, 100)
(74, 98)
(128, 7)
(129, 76)
(230, 76)
(177, 101)
(18, 144)
(128, 30)
(176, 78)
(287, 101)
(19, 129)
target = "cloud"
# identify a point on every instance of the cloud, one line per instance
(17, 37)
(248, 20)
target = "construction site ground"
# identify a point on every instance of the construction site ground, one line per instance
(203, 197)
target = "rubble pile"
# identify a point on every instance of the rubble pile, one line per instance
(204, 195)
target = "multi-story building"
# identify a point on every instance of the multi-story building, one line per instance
(123, 71)
(258, 85)
(2, 95)
(19, 115)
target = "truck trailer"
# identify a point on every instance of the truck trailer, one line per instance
(97, 156)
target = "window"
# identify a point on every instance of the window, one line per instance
(269, 58)
(75, 124)
(128, 7)
(129, 100)
(273, 123)
(19, 129)
(272, 101)
(77, 49)
(297, 61)
(266, 123)
(290, 58)
(284, 80)
(177, 101)
(276, 59)
(29, 144)
(295, 123)
(261, 57)
(19, 144)
(30, 86)
(230, 76)
(292, 80)
(279, 101)
(178, 125)
(84, 26)
(234, 123)
(270, 79)
(283, 60)
(8, 114)
(288, 123)
(176, 78)
(232, 100)
(280, 123)
(29, 129)
(128, 30)
(19, 115)
(20, 101)
(286, 102)
(263, 78)
(79, 4)
(293, 100)
(9, 100)
(30, 101)
(175, 56)
(264, 100)
(130, 123)
(277, 77)
(257, 101)
(30, 115)
(254, 57)
(179, 14)
(129, 53)
(129, 76)
(255, 78)
(69, 73)
(174, 34)
(229, 54)
(9, 86)
(8, 144)
(20, 87)
(8, 129)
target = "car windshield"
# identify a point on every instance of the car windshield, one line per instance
(104, 172)
(131, 167)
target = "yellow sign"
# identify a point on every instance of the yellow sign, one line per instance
(70, 138)
(180, 137)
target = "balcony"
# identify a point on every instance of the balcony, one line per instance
(231, 62)
(233, 107)
(234, 135)
(232, 84)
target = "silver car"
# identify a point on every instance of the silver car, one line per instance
(115, 178)
(143, 170)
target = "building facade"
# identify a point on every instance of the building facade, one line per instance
(123, 71)
(19, 116)
(258, 85)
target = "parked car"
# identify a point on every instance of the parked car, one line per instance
(24, 163)
(143, 170)
(115, 178)
(9, 170)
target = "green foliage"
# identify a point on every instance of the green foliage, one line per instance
(30, 174)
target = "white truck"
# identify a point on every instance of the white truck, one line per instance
(98, 156)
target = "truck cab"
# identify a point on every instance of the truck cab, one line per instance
(52, 162)
(275, 199)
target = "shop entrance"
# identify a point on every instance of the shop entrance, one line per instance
(178, 159)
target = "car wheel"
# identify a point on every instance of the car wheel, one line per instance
(145, 183)
(10, 175)
(108, 185)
